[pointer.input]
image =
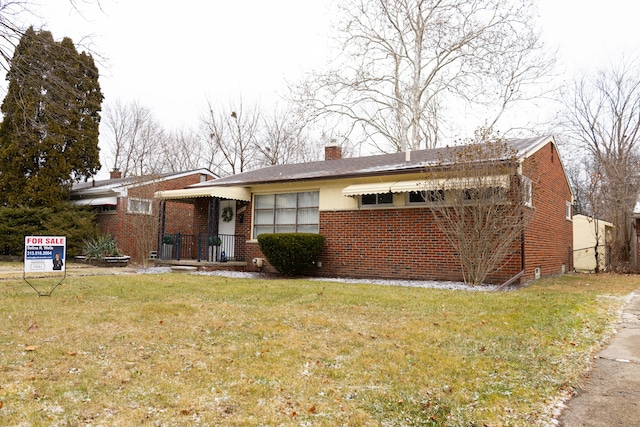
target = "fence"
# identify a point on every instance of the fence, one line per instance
(203, 247)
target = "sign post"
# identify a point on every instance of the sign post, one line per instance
(45, 256)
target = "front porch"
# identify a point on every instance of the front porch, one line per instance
(214, 238)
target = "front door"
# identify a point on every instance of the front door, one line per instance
(227, 227)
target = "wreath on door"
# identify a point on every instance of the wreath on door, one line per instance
(227, 214)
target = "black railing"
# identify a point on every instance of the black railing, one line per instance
(203, 247)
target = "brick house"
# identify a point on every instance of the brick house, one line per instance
(373, 225)
(127, 210)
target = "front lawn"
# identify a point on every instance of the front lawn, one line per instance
(183, 350)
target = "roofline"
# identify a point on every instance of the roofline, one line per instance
(117, 187)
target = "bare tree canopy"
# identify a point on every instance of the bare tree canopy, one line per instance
(403, 62)
(232, 133)
(604, 120)
(239, 137)
(136, 139)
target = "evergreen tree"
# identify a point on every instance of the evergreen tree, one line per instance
(49, 134)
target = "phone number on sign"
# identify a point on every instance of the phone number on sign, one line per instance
(38, 253)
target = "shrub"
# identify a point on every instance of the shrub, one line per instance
(168, 239)
(101, 247)
(291, 253)
(76, 223)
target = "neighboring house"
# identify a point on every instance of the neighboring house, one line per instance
(366, 209)
(585, 241)
(127, 210)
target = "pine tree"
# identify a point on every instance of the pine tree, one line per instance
(49, 134)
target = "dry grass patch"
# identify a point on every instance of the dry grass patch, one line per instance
(181, 350)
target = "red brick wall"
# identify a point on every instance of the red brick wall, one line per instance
(390, 243)
(405, 243)
(128, 228)
(549, 236)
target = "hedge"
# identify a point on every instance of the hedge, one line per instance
(76, 223)
(291, 253)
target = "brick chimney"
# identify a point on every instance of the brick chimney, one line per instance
(332, 151)
(115, 174)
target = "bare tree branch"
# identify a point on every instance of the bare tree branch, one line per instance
(604, 118)
(402, 61)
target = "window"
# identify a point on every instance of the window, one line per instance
(286, 213)
(376, 199)
(429, 196)
(140, 206)
(106, 208)
(527, 191)
(568, 210)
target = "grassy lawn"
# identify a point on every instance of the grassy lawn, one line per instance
(182, 350)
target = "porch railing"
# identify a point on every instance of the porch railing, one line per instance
(202, 247)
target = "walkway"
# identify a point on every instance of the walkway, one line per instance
(611, 395)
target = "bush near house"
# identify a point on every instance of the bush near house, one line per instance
(291, 253)
(101, 247)
(74, 222)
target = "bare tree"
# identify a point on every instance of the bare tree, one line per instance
(479, 203)
(182, 151)
(232, 134)
(589, 200)
(604, 117)
(143, 230)
(402, 62)
(136, 139)
(284, 139)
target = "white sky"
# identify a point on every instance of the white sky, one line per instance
(173, 56)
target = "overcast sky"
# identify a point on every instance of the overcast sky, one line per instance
(173, 56)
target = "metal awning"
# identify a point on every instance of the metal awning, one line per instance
(232, 193)
(97, 201)
(426, 184)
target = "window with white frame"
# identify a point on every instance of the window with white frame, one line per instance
(376, 199)
(286, 213)
(139, 206)
(568, 210)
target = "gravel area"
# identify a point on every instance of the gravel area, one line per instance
(407, 283)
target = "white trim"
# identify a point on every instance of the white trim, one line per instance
(98, 201)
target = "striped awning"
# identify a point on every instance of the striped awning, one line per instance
(231, 193)
(425, 185)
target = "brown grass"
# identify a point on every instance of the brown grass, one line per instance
(181, 350)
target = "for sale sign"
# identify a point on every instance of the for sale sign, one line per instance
(44, 254)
